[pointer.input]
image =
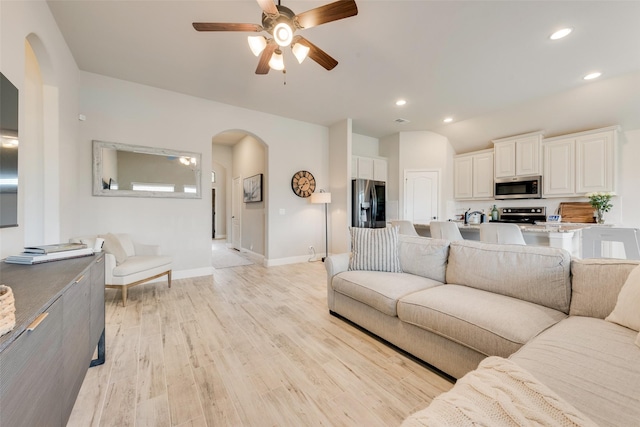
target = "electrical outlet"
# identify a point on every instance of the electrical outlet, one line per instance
(311, 250)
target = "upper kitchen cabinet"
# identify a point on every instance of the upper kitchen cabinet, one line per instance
(368, 168)
(518, 155)
(473, 175)
(580, 163)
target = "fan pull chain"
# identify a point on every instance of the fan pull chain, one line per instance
(284, 76)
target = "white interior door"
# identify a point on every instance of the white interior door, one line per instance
(236, 208)
(421, 196)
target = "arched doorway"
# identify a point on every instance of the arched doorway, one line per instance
(236, 156)
(40, 146)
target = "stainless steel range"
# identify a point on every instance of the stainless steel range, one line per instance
(522, 215)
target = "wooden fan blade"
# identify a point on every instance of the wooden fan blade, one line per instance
(222, 26)
(268, 6)
(263, 64)
(318, 55)
(330, 12)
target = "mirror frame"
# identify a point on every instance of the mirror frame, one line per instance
(98, 189)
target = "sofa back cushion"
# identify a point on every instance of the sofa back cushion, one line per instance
(537, 274)
(423, 256)
(596, 284)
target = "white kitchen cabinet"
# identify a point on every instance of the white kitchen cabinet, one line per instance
(558, 178)
(369, 168)
(595, 162)
(473, 175)
(380, 170)
(518, 155)
(580, 163)
(463, 177)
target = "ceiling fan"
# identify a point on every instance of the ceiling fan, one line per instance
(281, 23)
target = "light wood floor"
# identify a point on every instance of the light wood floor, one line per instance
(248, 346)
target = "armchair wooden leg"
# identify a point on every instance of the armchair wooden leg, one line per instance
(124, 296)
(169, 278)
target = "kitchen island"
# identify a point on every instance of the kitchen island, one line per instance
(564, 235)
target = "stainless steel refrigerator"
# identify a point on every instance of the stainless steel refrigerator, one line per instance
(368, 207)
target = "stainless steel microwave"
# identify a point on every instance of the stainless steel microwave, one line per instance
(520, 187)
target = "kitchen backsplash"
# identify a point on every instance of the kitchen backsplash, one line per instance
(459, 207)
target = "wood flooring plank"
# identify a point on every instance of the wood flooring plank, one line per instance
(120, 405)
(246, 346)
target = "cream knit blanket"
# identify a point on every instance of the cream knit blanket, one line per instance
(498, 393)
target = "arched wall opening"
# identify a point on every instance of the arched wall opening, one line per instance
(238, 154)
(39, 150)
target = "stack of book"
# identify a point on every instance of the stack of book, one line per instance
(47, 253)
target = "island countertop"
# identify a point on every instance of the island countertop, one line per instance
(568, 227)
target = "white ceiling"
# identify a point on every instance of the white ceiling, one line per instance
(467, 59)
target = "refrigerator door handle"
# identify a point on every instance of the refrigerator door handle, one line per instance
(374, 206)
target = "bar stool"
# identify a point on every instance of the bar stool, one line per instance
(405, 227)
(593, 237)
(445, 230)
(501, 233)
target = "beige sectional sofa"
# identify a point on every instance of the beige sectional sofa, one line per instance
(456, 303)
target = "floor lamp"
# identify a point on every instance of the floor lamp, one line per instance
(323, 197)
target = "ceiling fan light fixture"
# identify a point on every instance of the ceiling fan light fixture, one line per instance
(257, 44)
(300, 51)
(277, 61)
(283, 34)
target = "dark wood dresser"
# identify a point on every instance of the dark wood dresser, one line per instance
(59, 322)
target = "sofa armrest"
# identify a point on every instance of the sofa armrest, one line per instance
(109, 265)
(335, 264)
(142, 249)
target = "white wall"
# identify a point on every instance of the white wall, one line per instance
(222, 164)
(57, 118)
(430, 151)
(365, 146)
(249, 159)
(126, 112)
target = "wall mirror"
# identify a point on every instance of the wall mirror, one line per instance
(138, 171)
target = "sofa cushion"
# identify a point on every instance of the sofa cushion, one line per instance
(423, 256)
(592, 364)
(113, 246)
(531, 273)
(492, 324)
(595, 285)
(380, 290)
(374, 249)
(136, 264)
(627, 310)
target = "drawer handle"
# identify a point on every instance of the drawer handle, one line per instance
(79, 279)
(37, 322)
(98, 261)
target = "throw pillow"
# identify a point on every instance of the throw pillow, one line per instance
(374, 249)
(112, 245)
(627, 310)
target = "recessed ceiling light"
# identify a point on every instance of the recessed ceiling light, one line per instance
(592, 76)
(401, 102)
(561, 33)
(448, 120)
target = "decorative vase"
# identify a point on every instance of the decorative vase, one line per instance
(600, 216)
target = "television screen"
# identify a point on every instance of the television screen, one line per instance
(8, 153)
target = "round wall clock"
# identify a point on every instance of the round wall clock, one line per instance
(303, 183)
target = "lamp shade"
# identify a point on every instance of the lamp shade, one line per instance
(321, 198)
(277, 61)
(257, 44)
(300, 51)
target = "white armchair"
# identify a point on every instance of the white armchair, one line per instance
(128, 263)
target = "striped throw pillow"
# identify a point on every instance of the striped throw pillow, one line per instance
(374, 249)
